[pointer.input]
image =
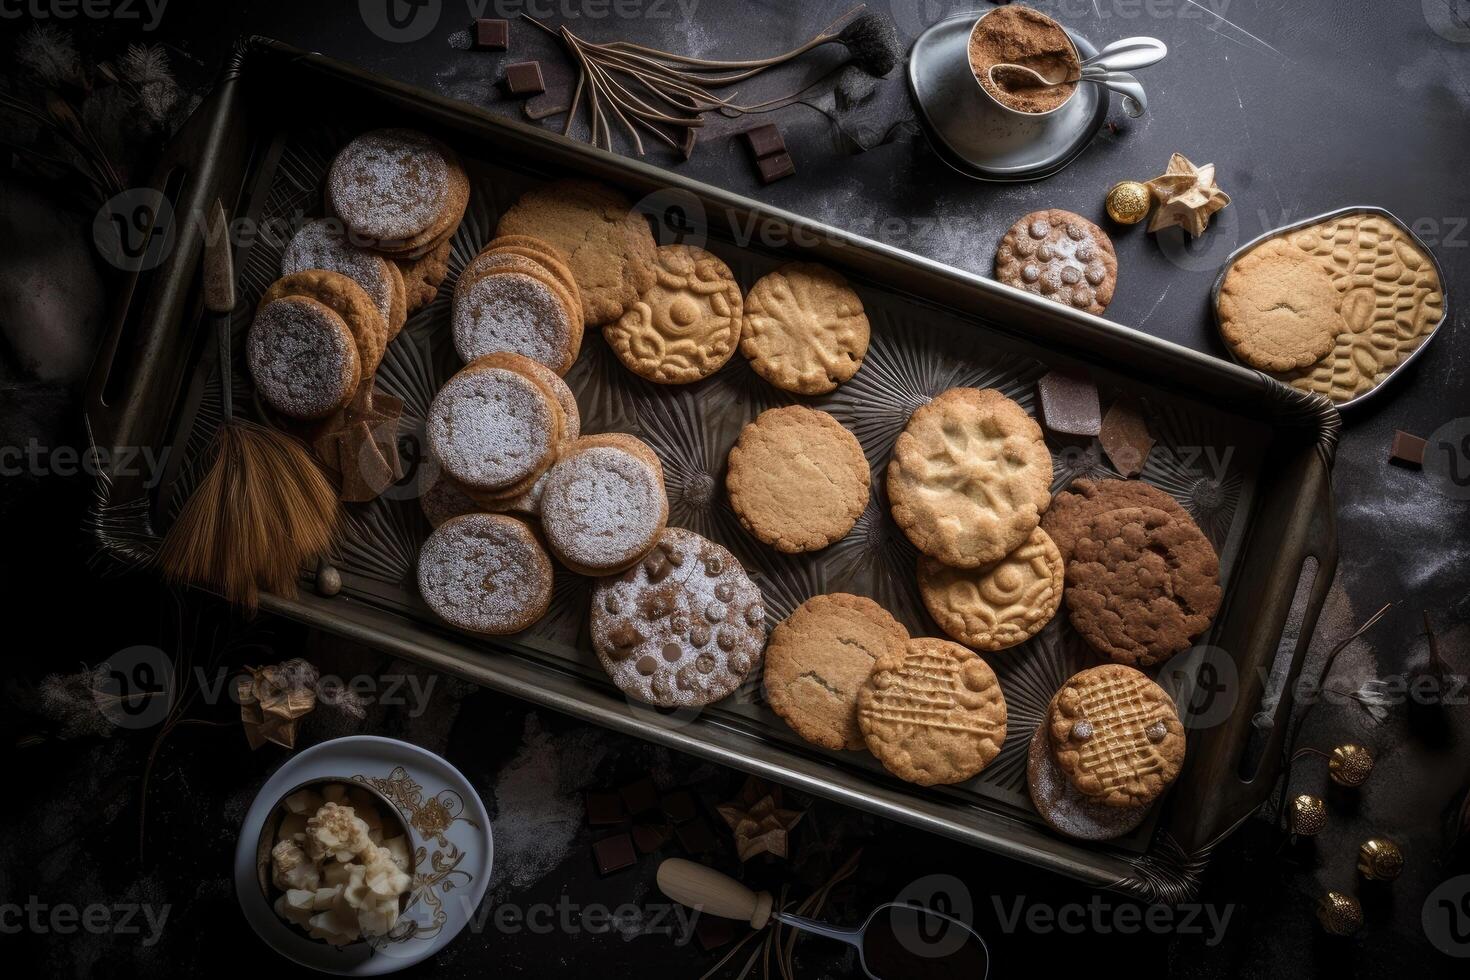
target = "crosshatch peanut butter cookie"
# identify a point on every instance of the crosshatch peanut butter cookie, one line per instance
(603, 504)
(818, 659)
(321, 244)
(485, 573)
(345, 298)
(1061, 256)
(686, 325)
(1072, 510)
(682, 628)
(1116, 735)
(302, 357)
(797, 479)
(1141, 584)
(996, 606)
(1278, 308)
(932, 712)
(607, 244)
(970, 477)
(804, 329)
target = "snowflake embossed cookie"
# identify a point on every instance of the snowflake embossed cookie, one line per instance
(804, 329)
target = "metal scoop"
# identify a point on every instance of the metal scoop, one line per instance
(1135, 102)
(897, 942)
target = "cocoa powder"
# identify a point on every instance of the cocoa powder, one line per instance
(1021, 36)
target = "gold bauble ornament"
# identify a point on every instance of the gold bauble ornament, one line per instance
(1308, 815)
(1128, 202)
(1340, 914)
(1350, 765)
(1379, 859)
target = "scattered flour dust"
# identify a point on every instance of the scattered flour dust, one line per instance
(538, 802)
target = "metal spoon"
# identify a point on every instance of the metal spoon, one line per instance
(1135, 102)
(1128, 54)
(897, 939)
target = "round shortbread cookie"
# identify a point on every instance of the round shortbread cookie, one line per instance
(549, 258)
(1116, 735)
(302, 357)
(1066, 810)
(1279, 309)
(348, 300)
(686, 325)
(603, 504)
(818, 659)
(485, 573)
(797, 479)
(492, 428)
(970, 477)
(996, 606)
(502, 310)
(320, 244)
(932, 712)
(683, 627)
(804, 329)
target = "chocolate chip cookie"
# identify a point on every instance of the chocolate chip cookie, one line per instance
(1073, 509)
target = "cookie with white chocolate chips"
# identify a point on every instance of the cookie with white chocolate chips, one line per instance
(1061, 256)
(682, 628)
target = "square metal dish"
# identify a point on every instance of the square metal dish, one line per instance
(1248, 456)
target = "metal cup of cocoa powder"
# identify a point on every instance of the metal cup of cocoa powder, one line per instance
(1018, 35)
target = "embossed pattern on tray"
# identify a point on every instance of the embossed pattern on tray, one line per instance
(1202, 458)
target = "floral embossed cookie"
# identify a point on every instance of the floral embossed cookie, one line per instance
(996, 606)
(686, 325)
(804, 329)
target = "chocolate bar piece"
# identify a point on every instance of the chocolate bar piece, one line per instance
(765, 141)
(604, 809)
(696, 836)
(775, 166)
(1407, 450)
(1068, 404)
(524, 78)
(640, 796)
(489, 34)
(650, 836)
(1125, 437)
(614, 853)
(679, 806)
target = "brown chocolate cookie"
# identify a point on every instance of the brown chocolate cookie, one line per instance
(1061, 256)
(1141, 584)
(1073, 509)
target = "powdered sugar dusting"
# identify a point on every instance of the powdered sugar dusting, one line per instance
(511, 312)
(1068, 810)
(302, 357)
(490, 427)
(320, 244)
(389, 184)
(601, 507)
(485, 573)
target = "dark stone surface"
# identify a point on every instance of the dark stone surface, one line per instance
(1307, 106)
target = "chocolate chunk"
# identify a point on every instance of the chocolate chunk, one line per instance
(524, 78)
(604, 809)
(1068, 404)
(776, 166)
(1407, 450)
(765, 141)
(490, 34)
(696, 836)
(651, 836)
(640, 797)
(714, 932)
(679, 806)
(614, 853)
(1125, 437)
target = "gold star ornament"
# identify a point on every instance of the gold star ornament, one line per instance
(1187, 195)
(759, 823)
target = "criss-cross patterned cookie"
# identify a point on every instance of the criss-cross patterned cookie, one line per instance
(1116, 735)
(932, 712)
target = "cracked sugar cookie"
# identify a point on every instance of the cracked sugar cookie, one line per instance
(1116, 735)
(797, 479)
(819, 658)
(683, 627)
(1278, 308)
(804, 329)
(686, 325)
(970, 477)
(932, 712)
(996, 606)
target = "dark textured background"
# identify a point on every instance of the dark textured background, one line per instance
(1305, 107)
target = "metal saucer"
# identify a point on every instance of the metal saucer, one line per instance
(977, 138)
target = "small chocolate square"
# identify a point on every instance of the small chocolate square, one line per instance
(775, 166)
(1407, 450)
(1068, 404)
(614, 853)
(651, 836)
(640, 796)
(604, 809)
(679, 806)
(765, 141)
(696, 836)
(524, 78)
(490, 35)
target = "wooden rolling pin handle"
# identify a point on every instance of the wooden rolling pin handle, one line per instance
(709, 891)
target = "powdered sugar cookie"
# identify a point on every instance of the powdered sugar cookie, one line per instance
(485, 573)
(321, 244)
(398, 188)
(346, 299)
(603, 504)
(302, 357)
(502, 309)
(536, 371)
(492, 428)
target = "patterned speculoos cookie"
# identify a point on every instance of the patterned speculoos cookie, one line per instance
(996, 606)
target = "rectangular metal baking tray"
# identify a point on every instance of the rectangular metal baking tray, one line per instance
(1250, 456)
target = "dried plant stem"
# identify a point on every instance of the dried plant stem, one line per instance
(827, 34)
